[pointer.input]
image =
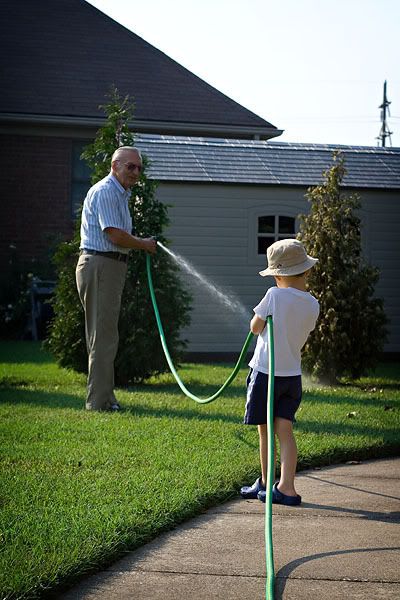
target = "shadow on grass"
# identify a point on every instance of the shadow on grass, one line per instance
(30, 398)
(341, 428)
(359, 398)
(187, 413)
(55, 400)
(12, 396)
(373, 388)
(239, 435)
(24, 352)
(196, 388)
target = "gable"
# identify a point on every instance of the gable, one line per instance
(59, 60)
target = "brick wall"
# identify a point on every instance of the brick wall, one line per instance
(36, 194)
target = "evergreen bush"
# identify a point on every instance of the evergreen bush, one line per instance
(15, 282)
(350, 332)
(140, 353)
(17, 279)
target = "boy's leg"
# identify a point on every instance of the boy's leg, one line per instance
(288, 448)
(262, 432)
(263, 444)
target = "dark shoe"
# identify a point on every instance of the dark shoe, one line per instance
(115, 407)
(250, 492)
(262, 495)
(279, 498)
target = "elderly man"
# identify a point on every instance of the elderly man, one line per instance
(106, 238)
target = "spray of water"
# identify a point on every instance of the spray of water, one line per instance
(225, 299)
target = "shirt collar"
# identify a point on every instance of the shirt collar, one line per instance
(119, 186)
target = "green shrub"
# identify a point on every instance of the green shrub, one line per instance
(14, 297)
(16, 280)
(350, 332)
(140, 353)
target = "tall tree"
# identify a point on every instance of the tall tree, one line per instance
(350, 331)
(140, 354)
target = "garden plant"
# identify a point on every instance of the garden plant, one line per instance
(352, 319)
(140, 354)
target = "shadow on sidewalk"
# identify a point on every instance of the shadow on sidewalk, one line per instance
(350, 487)
(283, 574)
(364, 514)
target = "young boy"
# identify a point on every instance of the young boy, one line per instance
(294, 313)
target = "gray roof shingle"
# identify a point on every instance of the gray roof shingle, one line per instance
(61, 57)
(174, 158)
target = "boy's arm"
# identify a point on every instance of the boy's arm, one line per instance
(257, 325)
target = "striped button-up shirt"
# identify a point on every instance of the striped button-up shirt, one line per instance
(105, 205)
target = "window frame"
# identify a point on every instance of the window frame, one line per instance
(276, 235)
(276, 210)
(77, 180)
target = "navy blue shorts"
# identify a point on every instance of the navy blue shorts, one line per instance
(287, 397)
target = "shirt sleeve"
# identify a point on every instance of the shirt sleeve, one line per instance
(107, 210)
(265, 307)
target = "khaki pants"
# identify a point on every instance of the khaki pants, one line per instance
(100, 282)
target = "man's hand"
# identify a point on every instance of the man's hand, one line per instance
(149, 245)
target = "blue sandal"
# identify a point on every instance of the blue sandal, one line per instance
(250, 491)
(279, 498)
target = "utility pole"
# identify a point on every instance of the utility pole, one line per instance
(384, 132)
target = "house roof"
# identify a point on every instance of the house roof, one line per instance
(60, 58)
(210, 160)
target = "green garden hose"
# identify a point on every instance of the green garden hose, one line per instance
(270, 579)
(269, 548)
(168, 357)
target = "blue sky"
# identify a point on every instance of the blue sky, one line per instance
(314, 68)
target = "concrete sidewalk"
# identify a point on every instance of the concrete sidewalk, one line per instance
(342, 542)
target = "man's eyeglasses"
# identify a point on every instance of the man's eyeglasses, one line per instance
(132, 167)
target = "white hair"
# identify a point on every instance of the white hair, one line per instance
(122, 150)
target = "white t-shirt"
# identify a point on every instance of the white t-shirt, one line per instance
(294, 314)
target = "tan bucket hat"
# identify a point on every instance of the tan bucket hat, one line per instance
(287, 257)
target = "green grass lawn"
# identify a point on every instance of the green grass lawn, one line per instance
(78, 489)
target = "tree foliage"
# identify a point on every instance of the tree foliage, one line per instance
(140, 354)
(350, 331)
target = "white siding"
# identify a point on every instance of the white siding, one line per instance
(214, 227)
(381, 217)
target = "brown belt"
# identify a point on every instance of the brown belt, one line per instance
(120, 256)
